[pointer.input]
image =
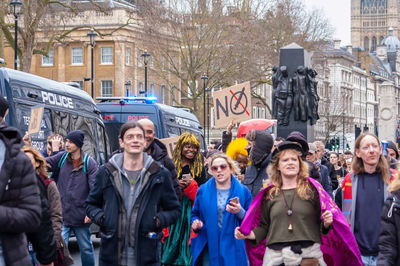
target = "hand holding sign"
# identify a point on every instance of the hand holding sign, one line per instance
(35, 120)
(232, 103)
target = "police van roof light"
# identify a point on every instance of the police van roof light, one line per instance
(123, 100)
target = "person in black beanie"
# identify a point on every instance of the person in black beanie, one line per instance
(259, 149)
(76, 177)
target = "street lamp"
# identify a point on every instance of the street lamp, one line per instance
(92, 35)
(17, 5)
(128, 87)
(204, 78)
(145, 56)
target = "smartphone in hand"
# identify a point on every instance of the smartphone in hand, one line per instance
(234, 200)
(186, 176)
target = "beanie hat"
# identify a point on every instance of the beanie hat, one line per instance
(262, 145)
(3, 106)
(76, 136)
(392, 146)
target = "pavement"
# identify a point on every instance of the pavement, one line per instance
(74, 250)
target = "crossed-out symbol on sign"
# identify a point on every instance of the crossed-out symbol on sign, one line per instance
(238, 102)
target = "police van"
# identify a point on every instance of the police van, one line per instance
(168, 121)
(66, 108)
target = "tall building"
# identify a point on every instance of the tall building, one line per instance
(370, 20)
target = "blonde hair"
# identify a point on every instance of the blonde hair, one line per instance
(304, 188)
(196, 164)
(42, 169)
(232, 164)
(358, 164)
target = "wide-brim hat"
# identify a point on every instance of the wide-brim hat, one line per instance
(287, 145)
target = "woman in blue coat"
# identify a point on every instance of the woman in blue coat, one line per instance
(220, 206)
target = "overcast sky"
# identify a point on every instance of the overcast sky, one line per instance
(338, 13)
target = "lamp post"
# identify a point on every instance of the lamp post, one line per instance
(128, 87)
(145, 56)
(92, 35)
(204, 78)
(208, 115)
(16, 4)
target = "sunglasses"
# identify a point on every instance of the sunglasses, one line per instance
(216, 167)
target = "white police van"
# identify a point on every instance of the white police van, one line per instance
(168, 121)
(66, 108)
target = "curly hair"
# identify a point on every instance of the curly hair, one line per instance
(304, 188)
(196, 164)
(42, 169)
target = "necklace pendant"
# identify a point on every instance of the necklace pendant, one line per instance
(290, 228)
(289, 212)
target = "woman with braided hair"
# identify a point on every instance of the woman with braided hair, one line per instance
(191, 174)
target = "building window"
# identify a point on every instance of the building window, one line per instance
(128, 56)
(366, 44)
(373, 43)
(254, 112)
(48, 60)
(106, 55)
(140, 58)
(162, 63)
(140, 88)
(151, 90)
(212, 117)
(162, 94)
(76, 56)
(152, 62)
(106, 88)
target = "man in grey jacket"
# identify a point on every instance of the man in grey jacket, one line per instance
(132, 200)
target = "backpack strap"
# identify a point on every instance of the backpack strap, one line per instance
(62, 159)
(86, 163)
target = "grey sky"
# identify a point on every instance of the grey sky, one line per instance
(338, 13)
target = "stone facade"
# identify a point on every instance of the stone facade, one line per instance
(370, 21)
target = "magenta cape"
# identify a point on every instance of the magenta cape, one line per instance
(339, 246)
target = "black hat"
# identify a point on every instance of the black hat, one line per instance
(392, 146)
(3, 106)
(76, 136)
(296, 136)
(287, 145)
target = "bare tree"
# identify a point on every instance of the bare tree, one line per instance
(230, 43)
(41, 16)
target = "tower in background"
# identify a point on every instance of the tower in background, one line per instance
(370, 20)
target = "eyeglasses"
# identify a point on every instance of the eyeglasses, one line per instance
(216, 167)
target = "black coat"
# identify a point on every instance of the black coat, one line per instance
(20, 208)
(389, 238)
(104, 206)
(332, 173)
(43, 240)
(159, 153)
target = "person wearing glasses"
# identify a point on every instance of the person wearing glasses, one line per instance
(219, 208)
(191, 174)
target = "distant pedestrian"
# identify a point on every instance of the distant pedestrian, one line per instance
(20, 207)
(220, 207)
(75, 172)
(132, 200)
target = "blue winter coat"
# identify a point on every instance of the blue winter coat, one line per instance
(223, 248)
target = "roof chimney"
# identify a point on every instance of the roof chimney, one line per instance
(337, 43)
(349, 49)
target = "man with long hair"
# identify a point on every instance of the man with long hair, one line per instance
(364, 192)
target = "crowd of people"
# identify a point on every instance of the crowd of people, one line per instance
(247, 201)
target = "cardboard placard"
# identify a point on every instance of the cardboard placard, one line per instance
(170, 143)
(35, 120)
(232, 103)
